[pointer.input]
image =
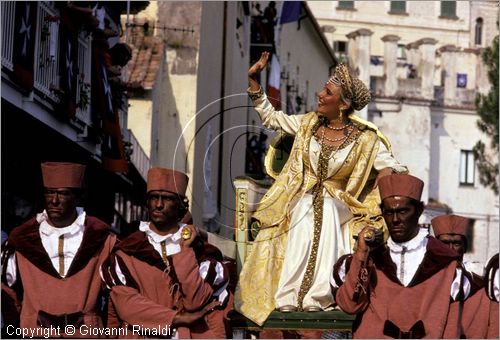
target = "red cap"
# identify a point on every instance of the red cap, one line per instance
(449, 224)
(62, 175)
(168, 180)
(400, 185)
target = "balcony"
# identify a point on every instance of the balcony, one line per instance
(8, 10)
(464, 98)
(83, 79)
(47, 52)
(47, 60)
(409, 88)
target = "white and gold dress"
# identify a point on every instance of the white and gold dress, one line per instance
(322, 198)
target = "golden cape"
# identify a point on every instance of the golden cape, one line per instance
(352, 184)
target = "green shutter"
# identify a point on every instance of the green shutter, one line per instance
(448, 8)
(346, 4)
(398, 6)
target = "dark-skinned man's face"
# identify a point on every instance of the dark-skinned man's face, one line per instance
(60, 204)
(163, 207)
(454, 241)
(401, 217)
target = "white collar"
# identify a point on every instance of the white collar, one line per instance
(468, 266)
(75, 227)
(157, 238)
(418, 241)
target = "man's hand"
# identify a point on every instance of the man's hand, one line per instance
(382, 173)
(186, 319)
(371, 233)
(193, 232)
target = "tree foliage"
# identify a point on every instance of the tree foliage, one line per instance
(487, 109)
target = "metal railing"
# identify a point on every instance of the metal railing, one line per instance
(47, 52)
(46, 61)
(464, 98)
(83, 79)
(139, 158)
(8, 14)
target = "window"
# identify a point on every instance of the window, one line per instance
(340, 50)
(467, 167)
(478, 35)
(346, 5)
(401, 51)
(398, 7)
(449, 9)
(340, 46)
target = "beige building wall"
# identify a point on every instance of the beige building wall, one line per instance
(408, 128)
(139, 121)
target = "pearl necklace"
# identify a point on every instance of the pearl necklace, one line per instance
(339, 128)
(334, 140)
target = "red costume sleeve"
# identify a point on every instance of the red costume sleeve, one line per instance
(353, 295)
(197, 291)
(135, 309)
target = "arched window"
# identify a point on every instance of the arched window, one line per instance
(478, 36)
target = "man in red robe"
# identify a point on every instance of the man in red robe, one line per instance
(492, 289)
(473, 312)
(164, 277)
(402, 289)
(50, 264)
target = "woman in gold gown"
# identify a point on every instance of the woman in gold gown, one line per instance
(325, 194)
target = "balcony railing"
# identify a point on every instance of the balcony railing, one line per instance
(47, 52)
(407, 87)
(139, 158)
(410, 87)
(8, 15)
(464, 98)
(46, 67)
(83, 79)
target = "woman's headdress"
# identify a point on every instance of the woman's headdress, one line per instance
(355, 90)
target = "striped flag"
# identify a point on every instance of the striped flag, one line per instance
(273, 85)
(290, 11)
